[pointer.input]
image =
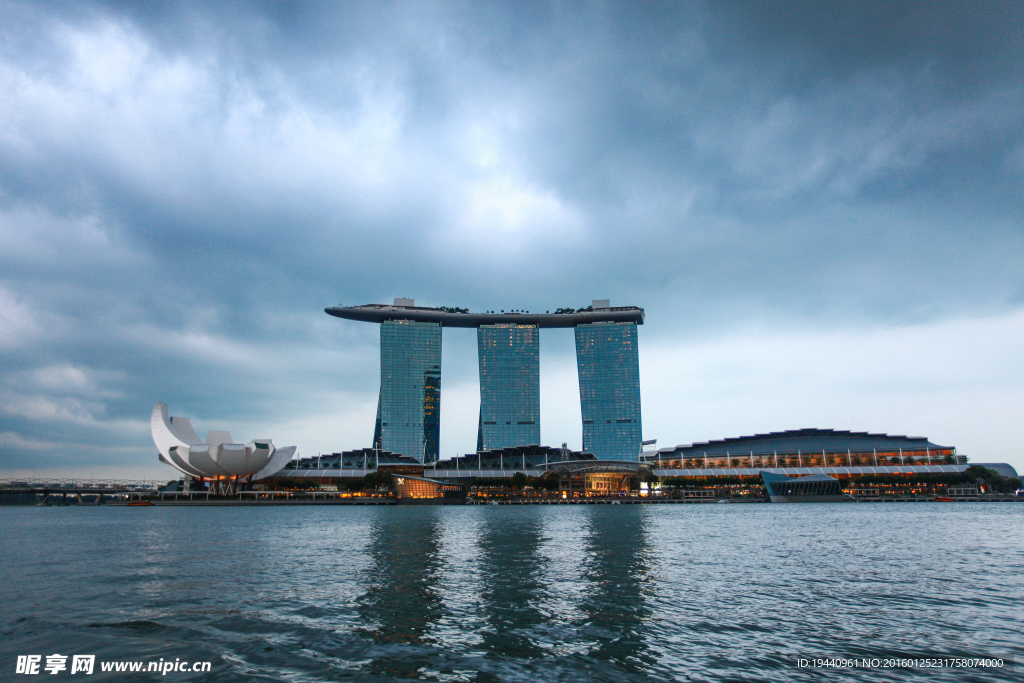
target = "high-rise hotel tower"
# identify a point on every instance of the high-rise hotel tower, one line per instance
(609, 369)
(409, 406)
(509, 386)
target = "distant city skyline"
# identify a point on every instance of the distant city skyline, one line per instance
(817, 205)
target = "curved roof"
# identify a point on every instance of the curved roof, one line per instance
(793, 440)
(378, 313)
(578, 466)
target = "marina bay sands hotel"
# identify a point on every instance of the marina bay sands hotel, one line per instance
(409, 403)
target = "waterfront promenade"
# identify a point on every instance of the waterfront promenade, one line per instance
(112, 492)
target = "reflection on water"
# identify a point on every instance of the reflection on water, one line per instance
(616, 570)
(402, 599)
(513, 585)
(563, 593)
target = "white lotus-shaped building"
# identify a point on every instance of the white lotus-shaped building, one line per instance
(216, 458)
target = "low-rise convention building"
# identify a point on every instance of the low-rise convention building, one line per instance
(806, 448)
(809, 463)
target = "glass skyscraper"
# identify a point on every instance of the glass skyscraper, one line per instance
(409, 404)
(509, 386)
(608, 361)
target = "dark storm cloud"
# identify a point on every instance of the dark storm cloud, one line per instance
(968, 47)
(185, 186)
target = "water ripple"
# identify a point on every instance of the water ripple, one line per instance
(567, 593)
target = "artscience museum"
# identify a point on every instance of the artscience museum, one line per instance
(216, 460)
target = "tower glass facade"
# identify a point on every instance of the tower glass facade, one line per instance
(409, 406)
(509, 386)
(608, 361)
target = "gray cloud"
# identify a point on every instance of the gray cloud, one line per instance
(184, 188)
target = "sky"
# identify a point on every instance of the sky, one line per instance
(818, 204)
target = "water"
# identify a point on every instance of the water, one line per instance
(544, 593)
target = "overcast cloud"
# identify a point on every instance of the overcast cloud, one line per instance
(818, 204)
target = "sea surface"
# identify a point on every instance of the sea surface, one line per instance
(541, 593)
